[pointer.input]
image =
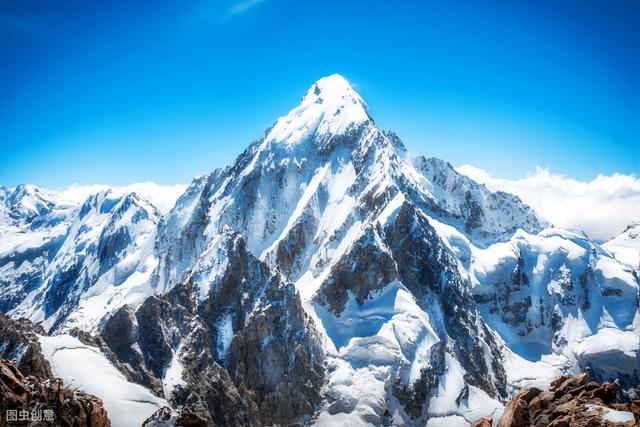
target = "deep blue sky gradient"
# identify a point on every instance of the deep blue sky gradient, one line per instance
(120, 92)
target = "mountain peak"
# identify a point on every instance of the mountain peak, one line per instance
(330, 106)
(330, 88)
(333, 90)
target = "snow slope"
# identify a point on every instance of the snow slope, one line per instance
(86, 368)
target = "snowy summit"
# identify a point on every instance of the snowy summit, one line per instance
(330, 107)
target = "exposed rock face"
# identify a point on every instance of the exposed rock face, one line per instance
(247, 350)
(570, 401)
(19, 343)
(185, 417)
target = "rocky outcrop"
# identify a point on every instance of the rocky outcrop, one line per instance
(48, 400)
(27, 383)
(185, 417)
(19, 343)
(570, 401)
(247, 351)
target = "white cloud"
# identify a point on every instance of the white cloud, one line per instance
(601, 208)
(162, 197)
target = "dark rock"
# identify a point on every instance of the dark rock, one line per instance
(483, 422)
(70, 407)
(249, 353)
(570, 401)
(19, 343)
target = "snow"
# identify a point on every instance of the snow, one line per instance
(611, 415)
(368, 319)
(385, 336)
(162, 197)
(225, 336)
(328, 108)
(173, 375)
(625, 247)
(451, 383)
(608, 340)
(614, 416)
(86, 368)
(211, 265)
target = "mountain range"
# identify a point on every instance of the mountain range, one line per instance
(326, 277)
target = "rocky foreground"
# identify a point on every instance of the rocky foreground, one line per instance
(29, 392)
(569, 402)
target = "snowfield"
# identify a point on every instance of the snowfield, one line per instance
(86, 368)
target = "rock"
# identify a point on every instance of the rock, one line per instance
(570, 401)
(483, 422)
(541, 401)
(19, 343)
(530, 394)
(12, 386)
(185, 417)
(69, 407)
(608, 393)
(564, 421)
(516, 413)
(250, 355)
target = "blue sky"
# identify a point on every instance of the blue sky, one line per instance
(120, 92)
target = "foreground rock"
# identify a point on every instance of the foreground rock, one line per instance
(27, 384)
(47, 401)
(19, 343)
(570, 401)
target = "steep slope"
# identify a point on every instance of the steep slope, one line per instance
(71, 264)
(338, 207)
(487, 215)
(231, 341)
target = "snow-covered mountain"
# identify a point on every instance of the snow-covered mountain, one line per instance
(325, 277)
(625, 247)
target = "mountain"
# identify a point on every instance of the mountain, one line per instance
(625, 247)
(328, 277)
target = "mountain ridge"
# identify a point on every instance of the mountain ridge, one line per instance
(397, 289)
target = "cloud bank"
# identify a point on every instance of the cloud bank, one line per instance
(602, 208)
